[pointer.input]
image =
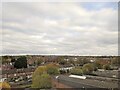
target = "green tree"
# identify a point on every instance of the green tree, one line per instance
(88, 68)
(52, 69)
(40, 78)
(82, 61)
(95, 67)
(62, 62)
(39, 71)
(76, 71)
(13, 60)
(5, 59)
(5, 86)
(42, 81)
(71, 61)
(115, 61)
(39, 61)
(106, 67)
(21, 62)
(98, 64)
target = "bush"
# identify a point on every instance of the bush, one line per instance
(76, 71)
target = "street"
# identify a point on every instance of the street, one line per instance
(78, 83)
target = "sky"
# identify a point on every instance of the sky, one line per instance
(77, 28)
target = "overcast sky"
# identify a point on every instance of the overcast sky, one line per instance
(60, 28)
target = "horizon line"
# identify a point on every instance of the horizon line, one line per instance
(53, 55)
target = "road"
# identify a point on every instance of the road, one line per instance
(19, 84)
(78, 83)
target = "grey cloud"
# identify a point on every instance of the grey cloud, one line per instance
(58, 28)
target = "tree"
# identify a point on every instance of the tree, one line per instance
(98, 64)
(5, 86)
(40, 78)
(39, 71)
(42, 81)
(88, 68)
(115, 61)
(61, 60)
(71, 61)
(82, 61)
(106, 67)
(5, 59)
(76, 71)
(95, 67)
(52, 69)
(21, 62)
(13, 60)
(39, 61)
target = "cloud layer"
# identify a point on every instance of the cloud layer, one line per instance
(59, 28)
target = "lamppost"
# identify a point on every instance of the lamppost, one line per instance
(7, 76)
(57, 77)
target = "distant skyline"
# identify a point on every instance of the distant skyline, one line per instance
(66, 28)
